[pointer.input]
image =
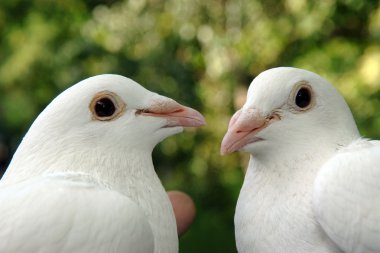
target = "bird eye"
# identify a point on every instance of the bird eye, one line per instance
(106, 106)
(302, 96)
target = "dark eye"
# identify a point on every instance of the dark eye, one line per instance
(303, 97)
(104, 107)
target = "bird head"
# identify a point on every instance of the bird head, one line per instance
(101, 115)
(289, 110)
(116, 111)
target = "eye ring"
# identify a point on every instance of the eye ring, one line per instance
(106, 106)
(302, 97)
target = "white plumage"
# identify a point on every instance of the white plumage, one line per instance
(71, 213)
(347, 197)
(82, 180)
(312, 183)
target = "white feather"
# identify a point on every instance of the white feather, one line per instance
(312, 184)
(347, 197)
(71, 212)
(49, 205)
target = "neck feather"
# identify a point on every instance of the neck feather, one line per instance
(130, 172)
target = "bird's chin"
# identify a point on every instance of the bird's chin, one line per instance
(167, 131)
(253, 144)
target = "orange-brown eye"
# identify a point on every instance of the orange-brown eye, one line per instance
(106, 106)
(302, 97)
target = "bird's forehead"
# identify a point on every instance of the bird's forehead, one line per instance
(116, 83)
(270, 90)
(125, 88)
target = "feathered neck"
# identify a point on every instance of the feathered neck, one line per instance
(301, 153)
(128, 171)
(41, 154)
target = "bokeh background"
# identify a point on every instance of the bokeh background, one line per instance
(203, 54)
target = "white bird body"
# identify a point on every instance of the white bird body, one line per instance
(281, 206)
(275, 209)
(275, 215)
(83, 180)
(71, 212)
(347, 197)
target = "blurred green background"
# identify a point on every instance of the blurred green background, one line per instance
(203, 54)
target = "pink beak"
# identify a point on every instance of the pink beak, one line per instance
(242, 130)
(175, 113)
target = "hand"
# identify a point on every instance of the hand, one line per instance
(184, 210)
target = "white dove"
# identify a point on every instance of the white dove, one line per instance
(82, 179)
(312, 183)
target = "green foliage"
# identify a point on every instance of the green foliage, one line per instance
(201, 53)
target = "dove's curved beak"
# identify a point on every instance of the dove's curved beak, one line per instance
(175, 113)
(242, 129)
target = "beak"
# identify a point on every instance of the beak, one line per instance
(242, 129)
(175, 113)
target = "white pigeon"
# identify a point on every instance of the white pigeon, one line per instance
(312, 183)
(82, 180)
